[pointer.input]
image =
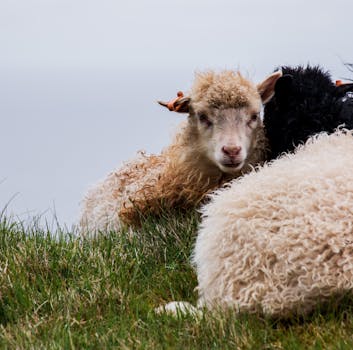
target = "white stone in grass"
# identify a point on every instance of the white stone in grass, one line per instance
(178, 308)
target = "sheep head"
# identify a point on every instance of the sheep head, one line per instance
(225, 116)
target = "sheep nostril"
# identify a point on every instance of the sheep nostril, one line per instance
(231, 151)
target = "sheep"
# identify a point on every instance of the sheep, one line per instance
(279, 240)
(306, 102)
(221, 139)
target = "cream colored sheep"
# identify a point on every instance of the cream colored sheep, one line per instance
(280, 240)
(222, 138)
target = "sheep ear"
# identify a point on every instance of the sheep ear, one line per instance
(341, 90)
(180, 105)
(266, 89)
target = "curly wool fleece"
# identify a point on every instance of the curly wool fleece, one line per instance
(280, 239)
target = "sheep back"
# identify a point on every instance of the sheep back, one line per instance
(280, 239)
(102, 203)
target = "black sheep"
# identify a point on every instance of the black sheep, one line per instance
(306, 102)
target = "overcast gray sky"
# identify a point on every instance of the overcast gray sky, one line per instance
(79, 78)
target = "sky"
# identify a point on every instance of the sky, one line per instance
(79, 79)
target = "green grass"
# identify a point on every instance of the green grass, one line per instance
(59, 291)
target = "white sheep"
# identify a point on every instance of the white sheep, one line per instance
(279, 240)
(221, 139)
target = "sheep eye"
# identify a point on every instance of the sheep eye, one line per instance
(253, 117)
(204, 120)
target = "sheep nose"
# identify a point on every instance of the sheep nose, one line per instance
(231, 151)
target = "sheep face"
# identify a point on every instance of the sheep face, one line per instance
(226, 135)
(224, 117)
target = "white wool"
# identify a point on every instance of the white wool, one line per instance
(280, 239)
(177, 308)
(101, 206)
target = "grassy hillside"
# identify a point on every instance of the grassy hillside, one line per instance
(64, 292)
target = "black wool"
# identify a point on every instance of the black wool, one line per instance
(306, 102)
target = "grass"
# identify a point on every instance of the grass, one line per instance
(60, 291)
